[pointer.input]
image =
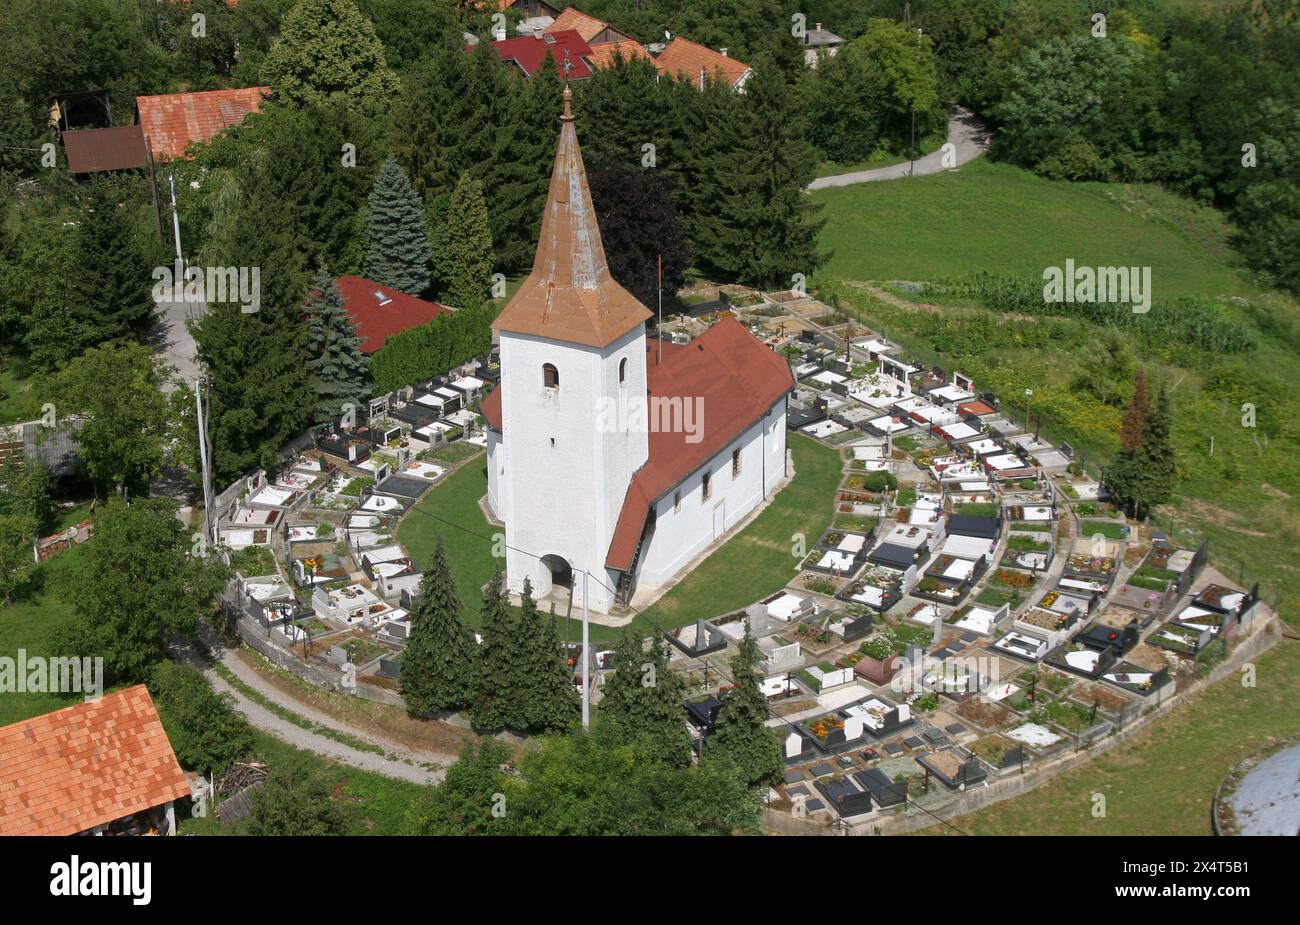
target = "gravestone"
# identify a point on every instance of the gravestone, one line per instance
(338, 655)
(793, 745)
(853, 728)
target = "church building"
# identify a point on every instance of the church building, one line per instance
(608, 453)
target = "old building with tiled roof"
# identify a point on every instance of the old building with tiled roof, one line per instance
(101, 766)
(687, 60)
(606, 455)
(173, 121)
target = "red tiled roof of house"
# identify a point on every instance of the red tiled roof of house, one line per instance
(602, 55)
(686, 59)
(91, 150)
(587, 26)
(529, 51)
(172, 121)
(490, 408)
(736, 378)
(86, 765)
(377, 322)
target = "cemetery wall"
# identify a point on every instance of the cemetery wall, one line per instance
(1004, 788)
(318, 675)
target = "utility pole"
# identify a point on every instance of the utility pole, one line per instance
(660, 338)
(586, 658)
(176, 232)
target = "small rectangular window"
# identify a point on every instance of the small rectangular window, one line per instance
(708, 486)
(735, 463)
(677, 501)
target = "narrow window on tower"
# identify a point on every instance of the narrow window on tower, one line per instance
(708, 485)
(622, 371)
(735, 463)
(550, 376)
(677, 501)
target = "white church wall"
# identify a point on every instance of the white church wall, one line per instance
(683, 531)
(566, 467)
(495, 467)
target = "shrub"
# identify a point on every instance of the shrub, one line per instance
(880, 481)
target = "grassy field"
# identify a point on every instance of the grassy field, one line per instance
(31, 624)
(758, 561)
(753, 563)
(1164, 781)
(1003, 220)
(1000, 219)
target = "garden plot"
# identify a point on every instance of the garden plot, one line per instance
(999, 752)
(320, 568)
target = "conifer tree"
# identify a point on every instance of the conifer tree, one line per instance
(547, 700)
(399, 251)
(764, 230)
(493, 672)
(642, 702)
(469, 245)
(327, 48)
(740, 738)
(438, 662)
(1135, 416)
(1156, 465)
(341, 370)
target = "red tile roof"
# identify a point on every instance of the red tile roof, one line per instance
(686, 59)
(173, 120)
(92, 150)
(602, 56)
(86, 765)
(738, 380)
(530, 51)
(490, 408)
(377, 322)
(587, 26)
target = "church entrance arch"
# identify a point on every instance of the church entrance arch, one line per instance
(555, 573)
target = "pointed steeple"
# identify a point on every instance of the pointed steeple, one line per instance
(570, 294)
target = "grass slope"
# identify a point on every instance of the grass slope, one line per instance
(998, 218)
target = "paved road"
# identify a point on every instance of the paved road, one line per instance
(174, 341)
(966, 133)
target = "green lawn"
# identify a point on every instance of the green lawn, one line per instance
(750, 565)
(1000, 219)
(758, 561)
(18, 401)
(1107, 528)
(1163, 782)
(31, 624)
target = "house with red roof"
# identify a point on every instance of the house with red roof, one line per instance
(527, 52)
(593, 31)
(381, 311)
(607, 454)
(687, 60)
(173, 121)
(101, 767)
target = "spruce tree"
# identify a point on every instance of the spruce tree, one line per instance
(547, 700)
(438, 663)
(469, 245)
(740, 738)
(1156, 465)
(341, 370)
(764, 231)
(642, 702)
(493, 672)
(1135, 416)
(399, 251)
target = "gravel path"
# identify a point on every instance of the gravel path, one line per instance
(397, 760)
(966, 134)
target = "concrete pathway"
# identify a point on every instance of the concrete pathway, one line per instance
(173, 340)
(966, 134)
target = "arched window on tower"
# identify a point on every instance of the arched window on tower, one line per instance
(550, 376)
(622, 371)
